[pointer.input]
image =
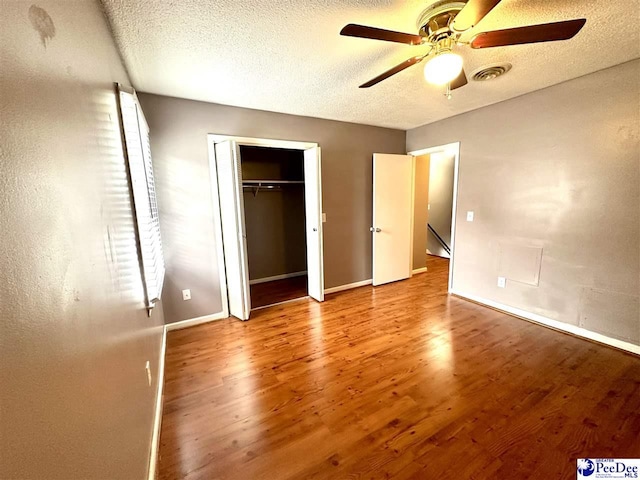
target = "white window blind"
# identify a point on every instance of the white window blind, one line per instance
(138, 150)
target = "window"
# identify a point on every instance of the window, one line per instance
(138, 155)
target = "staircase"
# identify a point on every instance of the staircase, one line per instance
(436, 245)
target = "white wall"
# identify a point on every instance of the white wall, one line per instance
(558, 168)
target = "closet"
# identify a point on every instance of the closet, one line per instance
(273, 191)
(267, 197)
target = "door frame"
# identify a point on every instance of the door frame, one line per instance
(212, 139)
(453, 148)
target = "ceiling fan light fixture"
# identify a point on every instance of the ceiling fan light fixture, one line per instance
(443, 68)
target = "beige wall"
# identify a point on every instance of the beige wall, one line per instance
(74, 333)
(420, 212)
(559, 169)
(179, 131)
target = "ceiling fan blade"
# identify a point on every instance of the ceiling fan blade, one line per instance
(472, 13)
(393, 71)
(459, 81)
(362, 31)
(547, 32)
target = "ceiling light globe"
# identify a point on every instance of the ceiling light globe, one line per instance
(443, 68)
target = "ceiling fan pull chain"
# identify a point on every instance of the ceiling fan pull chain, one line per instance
(447, 93)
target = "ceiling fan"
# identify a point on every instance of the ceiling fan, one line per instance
(440, 28)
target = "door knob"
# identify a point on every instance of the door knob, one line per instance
(378, 230)
(372, 229)
(315, 229)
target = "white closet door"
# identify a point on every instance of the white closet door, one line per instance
(234, 237)
(313, 212)
(392, 217)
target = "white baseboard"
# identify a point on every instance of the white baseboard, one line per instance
(157, 418)
(195, 321)
(277, 277)
(555, 324)
(349, 286)
(419, 270)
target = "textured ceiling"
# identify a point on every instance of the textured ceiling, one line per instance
(287, 55)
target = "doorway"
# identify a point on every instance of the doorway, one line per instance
(436, 179)
(274, 211)
(269, 197)
(414, 209)
(438, 187)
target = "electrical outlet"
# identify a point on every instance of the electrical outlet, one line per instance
(469, 216)
(147, 367)
(502, 282)
(186, 294)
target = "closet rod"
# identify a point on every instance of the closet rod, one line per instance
(266, 188)
(275, 182)
(269, 185)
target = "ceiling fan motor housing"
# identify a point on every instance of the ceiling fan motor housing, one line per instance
(434, 22)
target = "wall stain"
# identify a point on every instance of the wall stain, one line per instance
(628, 136)
(42, 23)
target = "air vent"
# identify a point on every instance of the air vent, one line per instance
(491, 72)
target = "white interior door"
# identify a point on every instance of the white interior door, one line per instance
(313, 213)
(234, 237)
(392, 227)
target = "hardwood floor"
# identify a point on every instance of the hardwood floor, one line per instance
(269, 293)
(435, 264)
(399, 381)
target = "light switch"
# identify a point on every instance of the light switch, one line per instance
(324, 217)
(428, 206)
(469, 216)
(502, 282)
(186, 294)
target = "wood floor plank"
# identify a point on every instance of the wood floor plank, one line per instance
(399, 381)
(276, 291)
